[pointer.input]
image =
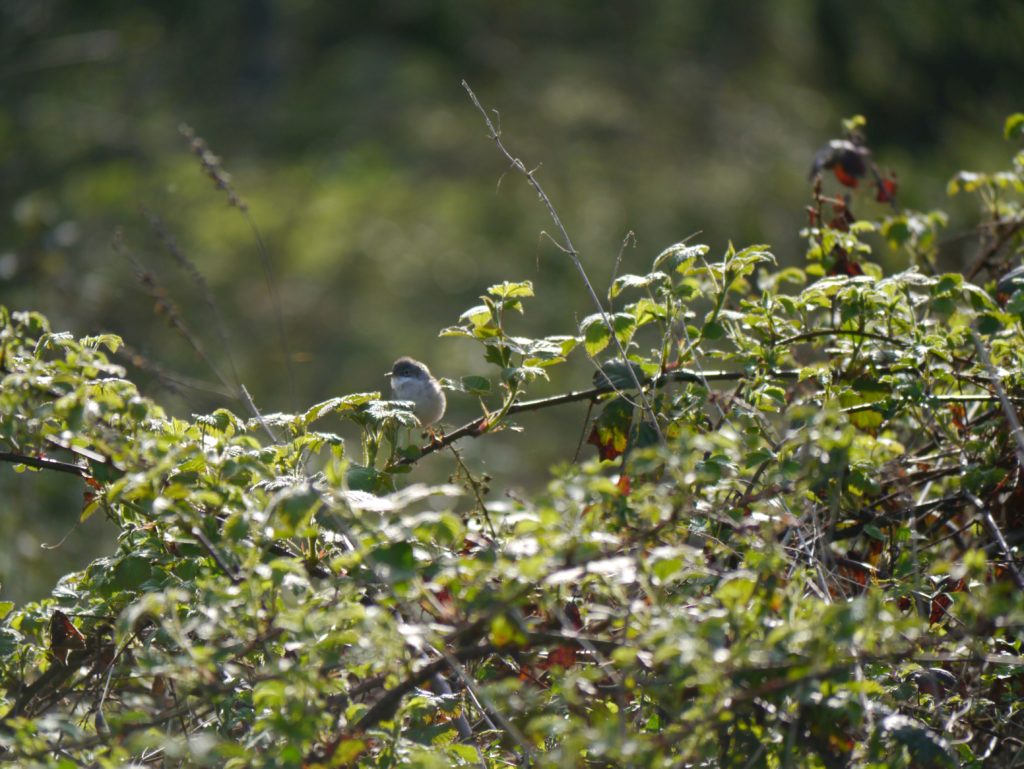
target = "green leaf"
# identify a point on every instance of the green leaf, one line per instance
(479, 315)
(595, 335)
(394, 562)
(735, 592)
(874, 532)
(380, 414)
(624, 282)
(340, 405)
(507, 290)
(854, 124)
(595, 330)
(647, 310)
(349, 750)
(60, 339)
(896, 231)
(476, 385)
(926, 748)
(361, 478)
(523, 374)
(610, 433)
(111, 341)
(292, 510)
(758, 457)
(91, 507)
(966, 181)
(467, 753)
(620, 375)
(1014, 126)
(679, 257)
(989, 323)
(547, 351)
(131, 572)
(505, 632)
(713, 330)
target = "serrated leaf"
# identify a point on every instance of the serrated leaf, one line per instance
(339, 405)
(595, 330)
(647, 310)
(379, 412)
(679, 257)
(509, 290)
(624, 282)
(610, 434)
(111, 341)
(547, 351)
(477, 316)
(595, 336)
(757, 457)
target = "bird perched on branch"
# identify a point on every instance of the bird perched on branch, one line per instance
(850, 160)
(412, 381)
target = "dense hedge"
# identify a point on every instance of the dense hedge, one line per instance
(798, 545)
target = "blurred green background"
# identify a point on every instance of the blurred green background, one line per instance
(385, 209)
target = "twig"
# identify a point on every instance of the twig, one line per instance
(583, 432)
(839, 332)
(1005, 229)
(475, 486)
(173, 380)
(211, 165)
(388, 703)
(216, 555)
(1011, 414)
(511, 729)
(164, 304)
(478, 426)
(618, 263)
(993, 530)
(567, 246)
(256, 412)
(171, 246)
(43, 463)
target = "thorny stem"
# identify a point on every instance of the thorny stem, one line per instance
(1011, 415)
(477, 489)
(478, 426)
(567, 246)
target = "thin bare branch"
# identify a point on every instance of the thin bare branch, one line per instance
(1008, 410)
(569, 249)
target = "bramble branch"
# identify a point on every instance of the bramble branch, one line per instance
(480, 425)
(566, 246)
(43, 463)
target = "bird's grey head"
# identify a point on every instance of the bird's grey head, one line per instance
(409, 368)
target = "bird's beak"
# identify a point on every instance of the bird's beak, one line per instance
(387, 373)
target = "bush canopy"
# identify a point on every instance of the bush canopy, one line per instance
(797, 544)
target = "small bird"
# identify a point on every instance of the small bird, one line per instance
(412, 381)
(848, 160)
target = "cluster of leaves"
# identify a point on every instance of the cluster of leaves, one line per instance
(808, 559)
